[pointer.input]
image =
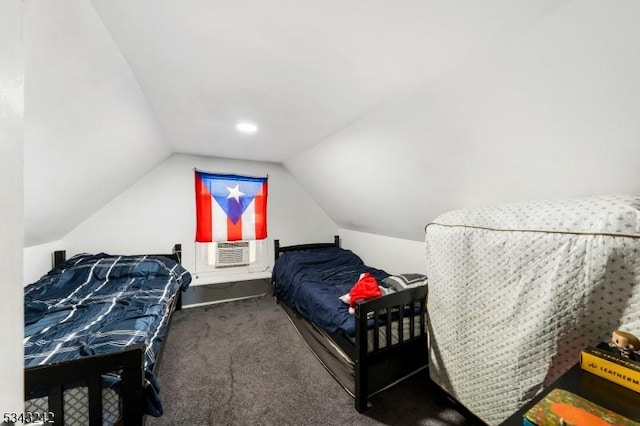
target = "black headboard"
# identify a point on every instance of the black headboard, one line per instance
(60, 256)
(277, 249)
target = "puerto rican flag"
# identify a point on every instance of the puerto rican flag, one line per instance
(230, 207)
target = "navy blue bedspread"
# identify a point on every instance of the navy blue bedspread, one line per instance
(311, 281)
(97, 304)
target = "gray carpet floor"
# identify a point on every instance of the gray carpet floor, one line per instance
(243, 363)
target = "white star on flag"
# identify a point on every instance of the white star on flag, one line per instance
(235, 193)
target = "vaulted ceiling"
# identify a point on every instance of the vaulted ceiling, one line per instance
(302, 70)
(113, 87)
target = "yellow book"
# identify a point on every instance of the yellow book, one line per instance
(611, 367)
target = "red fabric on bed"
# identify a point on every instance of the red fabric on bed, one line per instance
(366, 288)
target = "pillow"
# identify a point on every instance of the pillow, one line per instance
(403, 281)
(394, 283)
(346, 299)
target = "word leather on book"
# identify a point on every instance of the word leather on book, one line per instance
(602, 362)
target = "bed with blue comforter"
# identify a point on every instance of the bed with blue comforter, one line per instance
(312, 281)
(369, 349)
(99, 304)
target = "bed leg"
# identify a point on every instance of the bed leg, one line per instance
(179, 301)
(133, 388)
(361, 367)
(56, 403)
(361, 388)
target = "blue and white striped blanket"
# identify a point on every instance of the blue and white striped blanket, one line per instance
(97, 304)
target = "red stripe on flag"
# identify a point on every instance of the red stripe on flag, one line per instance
(203, 212)
(260, 201)
(234, 230)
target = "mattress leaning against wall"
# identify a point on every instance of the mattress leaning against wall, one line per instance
(517, 290)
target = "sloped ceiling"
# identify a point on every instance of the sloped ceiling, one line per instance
(89, 131)
(414, 100)
(548, 113)
(301, 70)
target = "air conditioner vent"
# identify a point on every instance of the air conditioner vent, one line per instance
(232, 254)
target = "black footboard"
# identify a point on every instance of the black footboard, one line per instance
(381, 364)
(53, 378)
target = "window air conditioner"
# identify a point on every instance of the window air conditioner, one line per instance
(232, 254)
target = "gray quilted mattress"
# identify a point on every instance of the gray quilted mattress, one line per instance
(517, 290)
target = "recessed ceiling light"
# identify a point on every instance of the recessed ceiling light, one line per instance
(246, 127)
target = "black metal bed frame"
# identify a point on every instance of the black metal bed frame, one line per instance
(377, 369)
(130, 363)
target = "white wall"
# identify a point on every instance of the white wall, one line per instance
(37, 260)
(394, 255)
(159, 210)
(546, 114)
(11, 200)
(89, 130)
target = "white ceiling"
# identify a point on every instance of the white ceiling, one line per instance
(301, 70)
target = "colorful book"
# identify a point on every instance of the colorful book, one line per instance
(610, 366)
(563, 408)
